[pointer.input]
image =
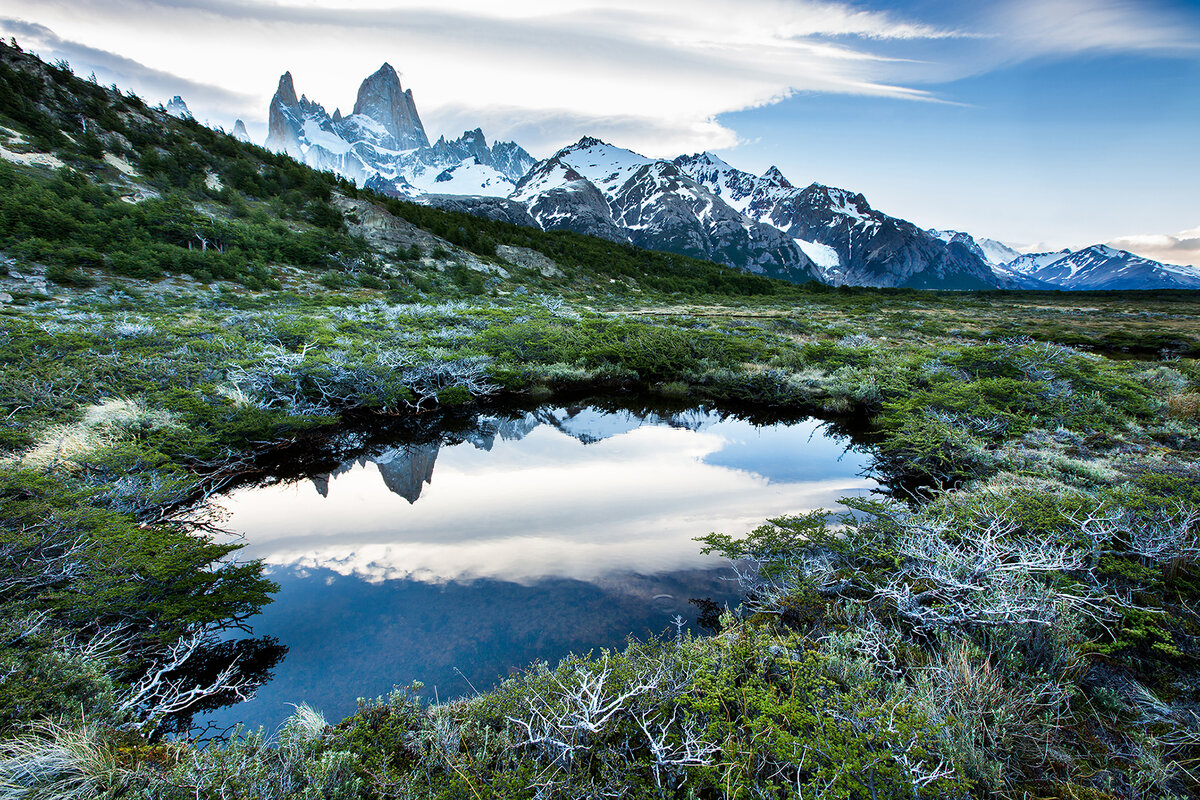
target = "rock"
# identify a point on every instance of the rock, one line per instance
(493, 208)
(284, 119)
(529, 259)
(381, 98)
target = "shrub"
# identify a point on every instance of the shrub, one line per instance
(69, 276)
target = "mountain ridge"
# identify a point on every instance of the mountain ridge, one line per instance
(382, 143)
(697, 205)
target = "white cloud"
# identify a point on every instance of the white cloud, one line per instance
(1060, 27)
(1180, 248)
(543, 506)
(660, 74)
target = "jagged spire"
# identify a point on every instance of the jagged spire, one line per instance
(285, 93)
(381, 98)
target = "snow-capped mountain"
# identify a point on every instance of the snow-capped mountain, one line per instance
(1103, 267)
(596, 188)
(178, 108)
(851, 242)
(995, 253)
(382, 143)
(697, 205)
(239, 131)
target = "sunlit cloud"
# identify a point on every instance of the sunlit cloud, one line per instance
(1180, 248)
(663, 74)
(545, 506)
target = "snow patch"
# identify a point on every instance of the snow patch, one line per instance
(468, 178)
(822, 255)
(322, 138)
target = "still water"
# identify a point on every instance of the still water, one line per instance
(527, 536)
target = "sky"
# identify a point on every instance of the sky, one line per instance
(1041, 123)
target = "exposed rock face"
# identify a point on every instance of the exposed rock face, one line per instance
(506, 158)
(494, 208)
(381, 98)
(388, 233)
(284, 119)
(873, 248)
(855, 244)
(406, 470)
(530, 259)
(995, 253)
(559, 198)
(695, 205)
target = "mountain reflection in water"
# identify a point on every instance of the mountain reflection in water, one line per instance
(527, 537)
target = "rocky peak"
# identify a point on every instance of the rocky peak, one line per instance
(381, 98)
(283, 119)
(836, 200)
(773, 177)
(239, 131)
(178, 108)
(285, 93)
(586, 142)
(705, 159)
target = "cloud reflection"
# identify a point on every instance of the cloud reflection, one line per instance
(546, 505)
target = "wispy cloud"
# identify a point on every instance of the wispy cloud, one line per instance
(662, 72)
(1062, 27)
(658, 77)
(1180, 248)
(152, 84)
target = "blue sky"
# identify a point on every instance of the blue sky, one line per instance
(1043, 123)
(1069, 151)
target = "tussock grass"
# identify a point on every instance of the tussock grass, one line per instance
(59, 762)
(99, 426)
(1185, 406)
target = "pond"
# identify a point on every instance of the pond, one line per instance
(457, 559)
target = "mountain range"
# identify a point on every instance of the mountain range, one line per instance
(382, 143)
(696, 205)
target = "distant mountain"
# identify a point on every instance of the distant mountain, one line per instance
(382, 144)
(696, 205)
(178, 108)
(1103, 267)
(851, 242)
(407, 468)
(995, 253)
(596, 188)
(239, 131)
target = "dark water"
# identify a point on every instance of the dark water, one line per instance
(526, 537)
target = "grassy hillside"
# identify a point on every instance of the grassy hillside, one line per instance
(176, 306)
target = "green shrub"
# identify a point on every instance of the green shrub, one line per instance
(69, 276)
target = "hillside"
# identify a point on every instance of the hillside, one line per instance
(180, 312)
(205, 204)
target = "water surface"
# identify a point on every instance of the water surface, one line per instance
(459, 559)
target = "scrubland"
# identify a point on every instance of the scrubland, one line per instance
(1017, 617)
